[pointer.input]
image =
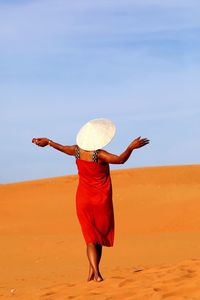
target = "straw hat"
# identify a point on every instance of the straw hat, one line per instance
(95, 134)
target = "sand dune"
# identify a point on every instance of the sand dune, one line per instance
(156, 254)
(179, 281)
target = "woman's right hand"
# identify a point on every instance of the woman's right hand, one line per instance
(138, 143)
(42, 142)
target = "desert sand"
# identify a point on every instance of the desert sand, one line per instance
(156, 254)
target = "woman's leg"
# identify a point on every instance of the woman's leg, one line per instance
(94, 255)
(91, 271)
(99, 252)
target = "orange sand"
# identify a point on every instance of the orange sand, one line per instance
(156, 254)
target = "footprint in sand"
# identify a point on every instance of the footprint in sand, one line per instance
(137, 270)
(184, 291)
(125, 282)
(70, 284)
(156, 289)
(117, 277)
(49, 294)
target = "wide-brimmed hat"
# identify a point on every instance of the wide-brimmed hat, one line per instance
(95, 134)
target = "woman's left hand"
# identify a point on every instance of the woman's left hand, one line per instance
(42, 142)
(139, 142)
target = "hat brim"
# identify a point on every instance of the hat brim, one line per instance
(95, 134)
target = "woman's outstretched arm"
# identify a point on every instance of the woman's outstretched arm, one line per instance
(110, 158)
(43, 142)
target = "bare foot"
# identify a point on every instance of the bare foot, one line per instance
(98, 278)
(90, 277)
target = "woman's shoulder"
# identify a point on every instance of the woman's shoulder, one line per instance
(101, 154)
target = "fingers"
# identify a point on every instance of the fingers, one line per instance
(36, 141)
(141, 142)
(144, 142)
(138, 138)
(42, 142)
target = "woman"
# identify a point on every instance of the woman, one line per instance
(94, 193)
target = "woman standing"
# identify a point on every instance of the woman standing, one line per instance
(94, 204)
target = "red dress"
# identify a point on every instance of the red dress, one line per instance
(94, 204)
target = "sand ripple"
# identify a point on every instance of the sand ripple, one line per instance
(171, 282)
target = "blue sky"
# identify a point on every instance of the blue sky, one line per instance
(64, 62)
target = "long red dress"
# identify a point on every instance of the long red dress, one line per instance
(94, 204)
